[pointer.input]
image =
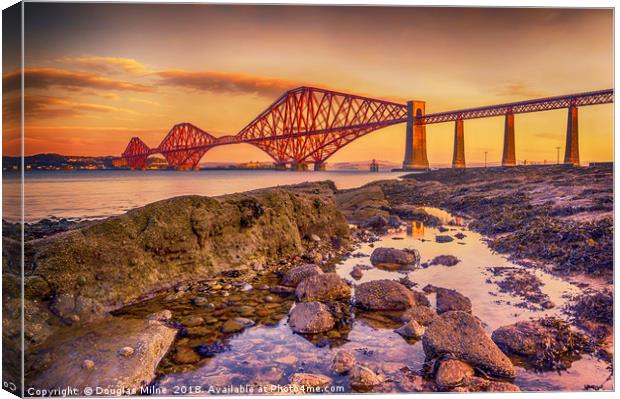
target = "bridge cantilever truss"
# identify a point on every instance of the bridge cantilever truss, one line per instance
(309, 124)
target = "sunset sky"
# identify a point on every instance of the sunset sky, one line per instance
(98, 74)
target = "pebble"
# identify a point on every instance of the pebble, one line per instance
(126, 351)
(88, 364)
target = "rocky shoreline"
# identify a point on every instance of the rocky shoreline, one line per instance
(186, 275)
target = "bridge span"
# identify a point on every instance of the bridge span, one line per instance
(308, 125)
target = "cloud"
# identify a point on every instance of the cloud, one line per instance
(108, 65)
(45, 107)
(225, 82)
(519, 89)
(45, 78)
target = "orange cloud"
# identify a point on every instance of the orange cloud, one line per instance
(225, 82)
(44, 78)
(520, 90)
(107, 64)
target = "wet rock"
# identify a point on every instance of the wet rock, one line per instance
(88, 364)
(343, 361)
(99, 342)
(246, 287)
(310, 380)
(460, 236)
(448, 300)
(162, 315)
(126, 351)
(281, 289)
(363, 379)
(412, 212)
(315, 238)
(295, 275)
(445, 260)
(394, 221)
(323, 287)
(443, 239)
(407, 259)
(452, 372)
(461, 335)
(209, 350)
(384, 295)
(310, 318)
(357, 273)
(411, 329)
(477, 384)
(74, 308)
(193, 321)
(186, 355)
(423, 315)
(377, 222)
(547, 344)
(236, 324)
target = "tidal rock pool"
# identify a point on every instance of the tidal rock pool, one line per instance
(234, 336)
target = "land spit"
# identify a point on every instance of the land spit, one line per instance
(179, 286)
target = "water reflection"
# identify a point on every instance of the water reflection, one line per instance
(415, 230)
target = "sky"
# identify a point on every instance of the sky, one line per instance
(99, 74)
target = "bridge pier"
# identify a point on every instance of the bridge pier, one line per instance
(319, 166)
(280, 166)
(508, 157)
(415, 146)
(299, 166)
(458, 157)
(571, 155)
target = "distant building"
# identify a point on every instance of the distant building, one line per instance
(374, 166)
(119, 163)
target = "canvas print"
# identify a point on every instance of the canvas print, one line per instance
(227, 199)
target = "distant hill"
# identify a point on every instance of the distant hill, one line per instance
(57, 162)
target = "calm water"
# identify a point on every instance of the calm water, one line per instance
(269, 352)
(98, 194)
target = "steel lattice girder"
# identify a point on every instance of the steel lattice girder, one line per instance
(313, 123)
(521, 107)
(136, 153)
(185, 144)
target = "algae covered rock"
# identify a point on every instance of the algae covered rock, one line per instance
(323, 287)
(384, 295)
(295, 275)
(406, 259)
(311, 318)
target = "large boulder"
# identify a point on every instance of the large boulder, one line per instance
(323, 287)
(116, 353)
(295, 275)
(448, 300)
(460, 335)
(310, 318)
(384, 295)
(547, 343)
(406, 259)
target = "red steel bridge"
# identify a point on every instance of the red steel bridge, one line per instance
(308, 125)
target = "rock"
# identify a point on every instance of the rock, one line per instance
(445, 260)
(246, 287)
(162, 315)
(310, 318)
(75, 308)
(394, 221)
(315, 237)
(424, 315)
(281, 289)
(236, 324)
(186, 355)
(343, 361)
(363, 379)
(384, 295)
(448, 300)
(461, 335)
(126, 351)
(295, 275)
(376, 223)
(460, 236)
(407, 259)
(478, 384)
(193, 321)
(88, 364)
(452, 372)
(411, 329)
(323, 287)
(547, 343)
(443, 239)
(209, 350)
(357, 273)
(99, 343)
(310, 380)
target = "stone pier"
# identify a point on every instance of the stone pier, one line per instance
(458, 157)
(571, 155)
(299, 166)
(415, 146)
(319, 166)
(508, 157)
